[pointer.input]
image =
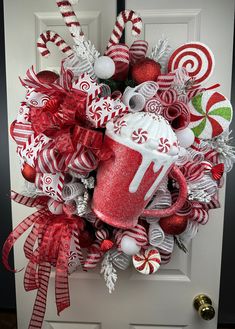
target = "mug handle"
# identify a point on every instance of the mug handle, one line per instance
(177, 175)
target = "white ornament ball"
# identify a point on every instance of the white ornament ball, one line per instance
(185, 137)
(129, 246)
(104, 67)
(55, 207)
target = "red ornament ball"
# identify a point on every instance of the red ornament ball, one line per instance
(145, 70)
(29, 173)
(47, 76)
(174, 224)
(86, 238)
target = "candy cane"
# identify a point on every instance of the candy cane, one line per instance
(50, 36)
(124, 17)
(69, 15)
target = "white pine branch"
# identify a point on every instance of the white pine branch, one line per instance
(161, 52)
(109, 272)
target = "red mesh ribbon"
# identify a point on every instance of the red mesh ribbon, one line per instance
(52, 234)
(59, 112)
(175, 111)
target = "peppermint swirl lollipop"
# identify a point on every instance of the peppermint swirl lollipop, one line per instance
(197, 58)
(211, 114)
(148, 261)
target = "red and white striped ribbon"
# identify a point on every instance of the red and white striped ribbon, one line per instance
(51, 184)
(138, 233)
(194, 172)
(31, 81)
(94, 255)
(121, 57)
(165, 256)
(124, 17)
(51, 36)
(198, 213)
(212, 156)
(21, 132)
(28, 201)
(165, 80)
(69, 15)
(138, 50)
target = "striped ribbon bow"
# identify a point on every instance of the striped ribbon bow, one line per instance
(52, 236)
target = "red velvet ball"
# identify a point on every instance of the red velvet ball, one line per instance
(86, 238)
(174, 224)
(29, 173)
(145, 70)
(47, 76)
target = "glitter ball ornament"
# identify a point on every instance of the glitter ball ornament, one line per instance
(174, 224)
(145, 70)
(29, 173)
(129, 246)
(185, 137)
(47, 76)
(104, 67)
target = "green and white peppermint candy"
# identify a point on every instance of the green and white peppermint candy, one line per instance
(211, 114)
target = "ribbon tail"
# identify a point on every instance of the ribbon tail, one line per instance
(16, 234)
(31, 275)
(61, 278)
(39, 307)
(28, 201)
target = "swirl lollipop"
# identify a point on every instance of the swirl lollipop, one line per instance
(197, 58)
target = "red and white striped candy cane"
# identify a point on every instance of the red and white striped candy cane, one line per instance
(124, 17)
(69, 15)
(51, 36)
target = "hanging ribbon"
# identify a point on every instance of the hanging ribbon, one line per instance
(52, 234)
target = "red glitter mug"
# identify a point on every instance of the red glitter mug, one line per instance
(143, 150)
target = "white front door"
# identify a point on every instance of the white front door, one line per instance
(139, 302)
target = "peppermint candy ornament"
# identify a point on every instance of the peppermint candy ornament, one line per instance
(197, 58)
(147, 261)
(140, 136)
(211, 114)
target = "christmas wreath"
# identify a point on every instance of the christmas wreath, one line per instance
(123, 156)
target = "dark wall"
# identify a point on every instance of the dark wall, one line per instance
(227, 284)
(7, 285)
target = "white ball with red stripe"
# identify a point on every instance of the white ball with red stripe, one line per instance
(55, 207)
(147, 261)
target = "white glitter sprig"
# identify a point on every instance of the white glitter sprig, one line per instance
(86, 53)
(161, 52)
(109, 272)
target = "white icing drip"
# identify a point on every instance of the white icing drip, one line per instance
(156, 128)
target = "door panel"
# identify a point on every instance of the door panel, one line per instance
(159, 301)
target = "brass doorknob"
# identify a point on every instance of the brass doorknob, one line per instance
(203, 305)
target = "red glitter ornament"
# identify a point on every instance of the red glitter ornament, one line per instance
(86, 238)
(47, 76)
(106, 245)
(145, 70)
(174, 224)
(29, 173)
